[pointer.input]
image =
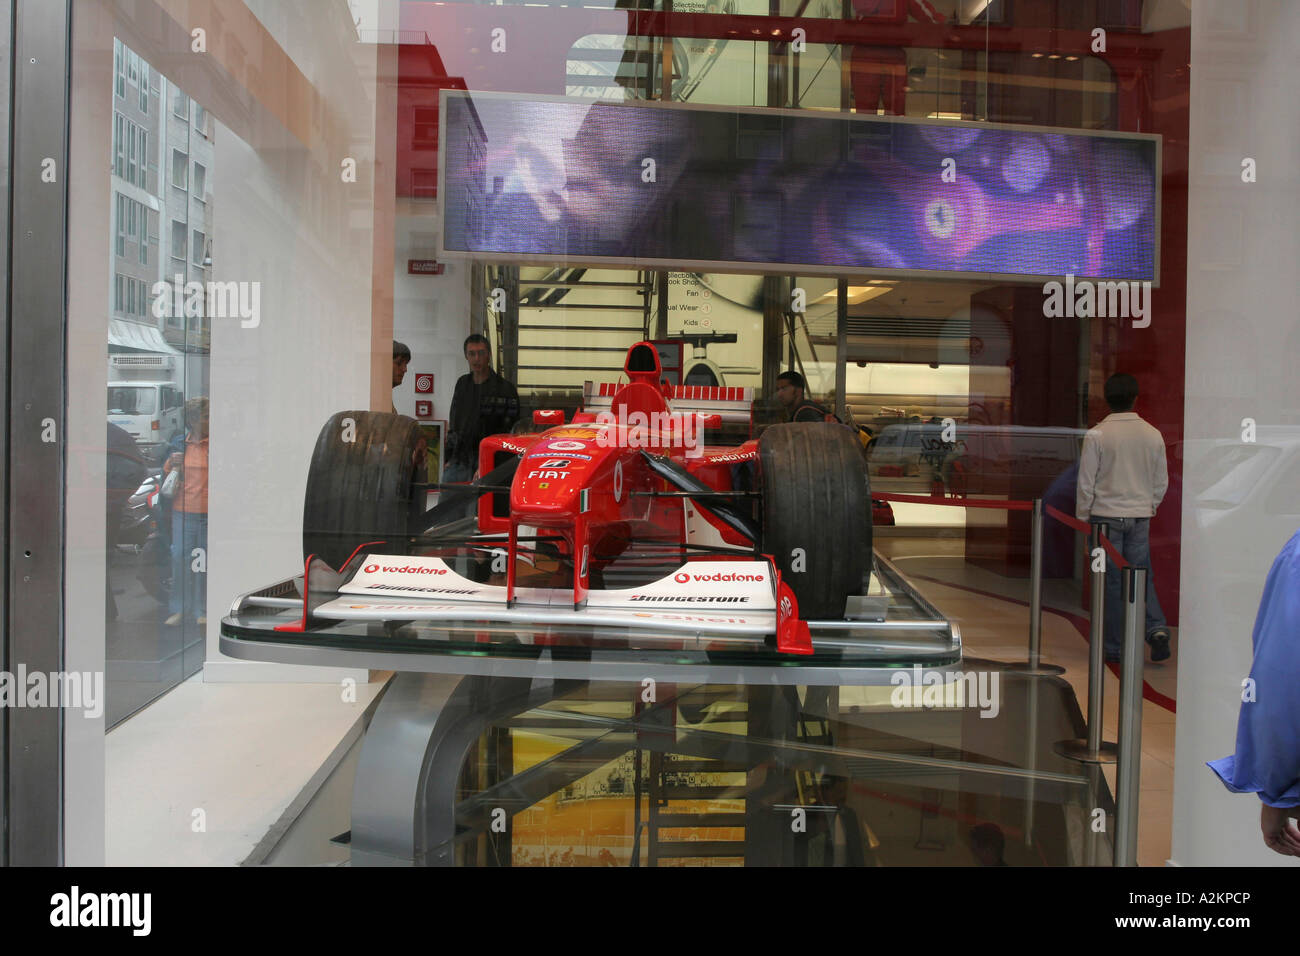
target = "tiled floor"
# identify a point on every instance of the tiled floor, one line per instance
(994, 617)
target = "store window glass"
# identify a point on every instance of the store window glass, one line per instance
(855, 230)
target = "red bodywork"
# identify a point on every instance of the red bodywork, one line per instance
(587, 483)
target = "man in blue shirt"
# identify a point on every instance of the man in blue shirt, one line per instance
(1267, 761)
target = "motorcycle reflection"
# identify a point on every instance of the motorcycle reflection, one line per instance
(146, 528)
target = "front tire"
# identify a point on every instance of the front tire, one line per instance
(816, 513)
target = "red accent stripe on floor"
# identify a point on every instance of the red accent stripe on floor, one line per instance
(1080, 624)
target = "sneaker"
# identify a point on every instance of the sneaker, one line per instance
(173, 620)
(1159, 641)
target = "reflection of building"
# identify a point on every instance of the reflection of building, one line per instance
(137, 209)
(161, 222)
(187, 231)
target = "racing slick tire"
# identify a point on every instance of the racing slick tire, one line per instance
(816, 513)
(360, 485)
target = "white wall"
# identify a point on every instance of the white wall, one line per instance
(430, 313)
(1243, 336)
(285, 218)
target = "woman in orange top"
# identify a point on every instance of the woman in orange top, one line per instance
(190, 518)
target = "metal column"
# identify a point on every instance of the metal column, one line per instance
(1128, 770)
(34, 409)
(1093, 749)
(1035, 665)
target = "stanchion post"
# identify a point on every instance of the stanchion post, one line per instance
(1036, 585)
(1096, 638)
(1128, 769)
(1092, 749)
(1034, 667)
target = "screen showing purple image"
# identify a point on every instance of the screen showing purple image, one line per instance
(541, 180)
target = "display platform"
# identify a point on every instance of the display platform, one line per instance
(554, 743)
(890, 625)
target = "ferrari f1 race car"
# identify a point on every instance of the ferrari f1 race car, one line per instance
(620, 517)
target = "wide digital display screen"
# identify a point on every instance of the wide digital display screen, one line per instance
(534, 179)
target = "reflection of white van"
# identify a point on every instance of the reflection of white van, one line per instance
(153, 413)
(987, 453)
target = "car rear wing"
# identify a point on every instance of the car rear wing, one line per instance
(733, 404)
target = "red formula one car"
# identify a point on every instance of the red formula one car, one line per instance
(620, 517)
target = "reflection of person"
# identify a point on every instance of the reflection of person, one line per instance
(1267, 759)
(484, 404)
(401, 359)
(190, 517)
(841, 833)
(988, 843)
(1122, 480)
(791, 393)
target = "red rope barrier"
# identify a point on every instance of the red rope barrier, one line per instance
(1083, 526)
(1065, 519)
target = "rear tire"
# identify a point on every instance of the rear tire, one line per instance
(816, 513)
(359, 486)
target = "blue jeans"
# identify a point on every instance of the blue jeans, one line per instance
(454, 471)
(189, 587)
(1131, 538)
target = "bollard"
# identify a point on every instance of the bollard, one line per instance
(1093, 749)
(1036, 585)
(1096, 641)
(1128, 769)
(1035, 666)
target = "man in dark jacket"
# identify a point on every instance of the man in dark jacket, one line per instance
(483, 404)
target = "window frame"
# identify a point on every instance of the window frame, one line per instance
(185, 169)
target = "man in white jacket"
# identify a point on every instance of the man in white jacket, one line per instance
(1122, 480)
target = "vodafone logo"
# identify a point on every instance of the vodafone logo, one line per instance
(372, 568)
(681, 577)
(727, 576)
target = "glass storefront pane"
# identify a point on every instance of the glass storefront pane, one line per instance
(372, 256)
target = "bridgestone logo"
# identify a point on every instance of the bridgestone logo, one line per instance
(412, 587)
(691, 598)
